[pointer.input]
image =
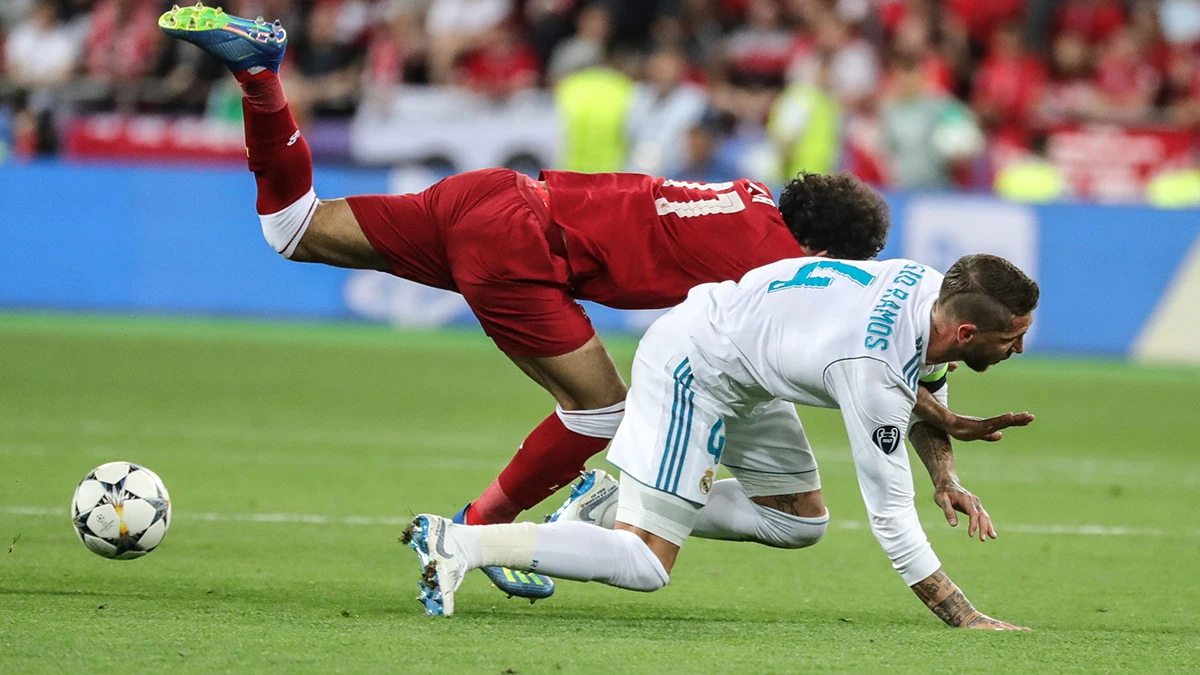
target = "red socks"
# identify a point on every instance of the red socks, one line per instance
(551, 457)
(262, 91)
(277, 153)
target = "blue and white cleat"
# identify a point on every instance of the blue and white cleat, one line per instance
(515, 583)
(241, 44)
(593, 500)
(442, 564)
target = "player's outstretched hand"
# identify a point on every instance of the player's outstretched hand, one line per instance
(985, 622)
(968, 428)
(954, 497)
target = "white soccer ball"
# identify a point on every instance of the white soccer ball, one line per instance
(121, 510)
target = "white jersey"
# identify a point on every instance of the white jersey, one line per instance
(851, 335)
(784, 328)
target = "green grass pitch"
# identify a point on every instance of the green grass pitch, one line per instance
(254, 428)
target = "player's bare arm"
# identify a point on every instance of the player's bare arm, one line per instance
(966, 427)
(943, 597)
(934, 448)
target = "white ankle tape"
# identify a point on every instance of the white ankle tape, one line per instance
(510, 545)
(600, 423)
(283, 230)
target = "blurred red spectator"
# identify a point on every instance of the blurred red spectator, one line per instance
(983, 18)
(503, 65)
(855, 65)
(1181, 91)
(913, 40)
(1008, 84)
(1093, 20)
(864, 152)
(123, 39)
(455, 27)
(761, 48)
(1071, 94)
(1126, 82)
(395, 51)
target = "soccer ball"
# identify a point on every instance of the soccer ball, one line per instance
(121, 510)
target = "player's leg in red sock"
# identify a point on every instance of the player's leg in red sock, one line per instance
(280, 159)
(287, 205)
(552, 456)
(591, 396)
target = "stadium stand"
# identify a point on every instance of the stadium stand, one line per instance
(912, 94)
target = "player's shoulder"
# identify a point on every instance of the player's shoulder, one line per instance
(759, 193)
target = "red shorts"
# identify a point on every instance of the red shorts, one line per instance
(487, 235)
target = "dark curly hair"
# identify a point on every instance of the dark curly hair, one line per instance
(837, 213)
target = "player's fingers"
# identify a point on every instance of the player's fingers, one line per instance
(974, 522)
(987, 525)
(1022, 419)
(951, 516)
(948, 509)
(993, 437)
(1000, 421)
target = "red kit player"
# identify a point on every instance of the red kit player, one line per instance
(521, 252)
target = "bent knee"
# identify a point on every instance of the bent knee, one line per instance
(331, 236)
(284, 229)
(642, 570)
(783, 530)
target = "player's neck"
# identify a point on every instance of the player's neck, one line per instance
(943, 346)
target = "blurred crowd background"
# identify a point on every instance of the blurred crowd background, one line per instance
(1039, 100)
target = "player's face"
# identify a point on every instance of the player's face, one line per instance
(984, 349)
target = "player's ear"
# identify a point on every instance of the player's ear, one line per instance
(966, 332)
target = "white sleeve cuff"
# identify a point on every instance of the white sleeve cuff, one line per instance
(919, 566)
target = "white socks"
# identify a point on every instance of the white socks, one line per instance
(601, 423)
(510, 545)
(730, 515)
(283, 230)
(566, 550)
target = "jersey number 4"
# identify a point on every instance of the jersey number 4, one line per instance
(804, 276)
(706, 199)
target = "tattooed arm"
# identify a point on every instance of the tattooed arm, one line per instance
(945, 600)
(966, 427)
(933, 446)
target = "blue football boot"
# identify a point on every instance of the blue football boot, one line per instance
(516, 583)
(593, 500)
(241, 44)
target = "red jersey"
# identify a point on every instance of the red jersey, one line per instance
(639, 242)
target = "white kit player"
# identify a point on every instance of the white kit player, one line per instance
(715, 381)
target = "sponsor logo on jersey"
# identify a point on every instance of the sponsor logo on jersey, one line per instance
(295, 137)
(887, 438)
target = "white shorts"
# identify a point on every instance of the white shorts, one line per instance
(674, 434)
